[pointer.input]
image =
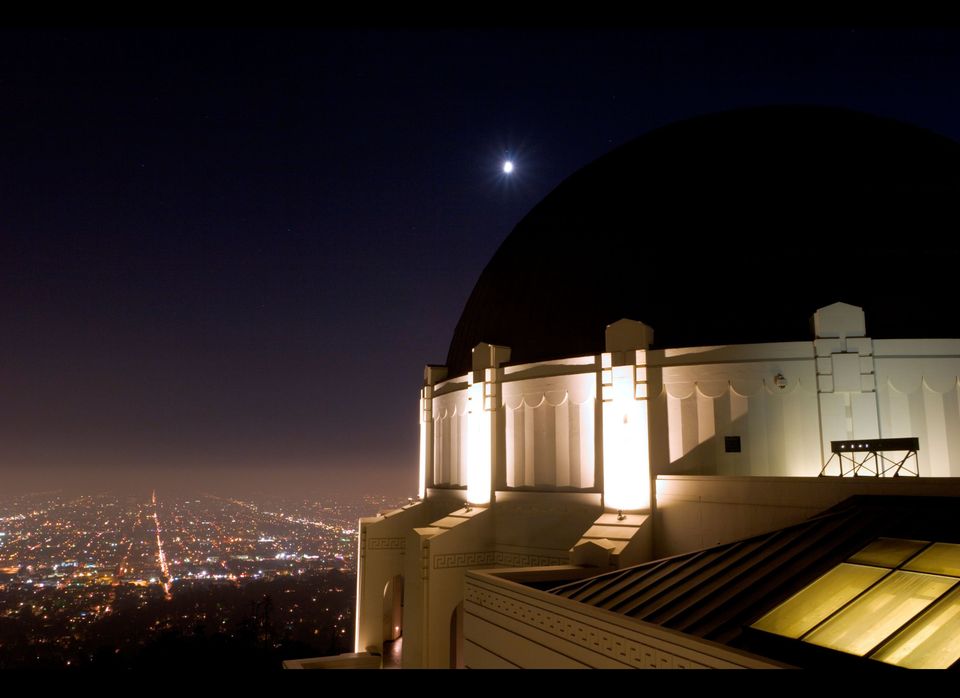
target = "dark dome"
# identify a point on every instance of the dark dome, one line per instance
(731, 228)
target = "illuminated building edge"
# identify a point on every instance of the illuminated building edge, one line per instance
(564, 461)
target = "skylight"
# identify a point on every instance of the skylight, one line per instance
(896, 601)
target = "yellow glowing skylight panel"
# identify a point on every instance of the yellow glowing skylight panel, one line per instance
(939, 558)
(880, 612)
(930, 642)
(888, 552)
(806, 608)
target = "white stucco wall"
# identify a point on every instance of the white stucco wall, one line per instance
(436, 561)
(696, 511)
(549, 431)
(785, 401)
(450, 439)
(703, 395)
(382, 554)
(919, 395)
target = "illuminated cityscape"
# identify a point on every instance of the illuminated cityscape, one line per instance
(84, 577)
(403, 344)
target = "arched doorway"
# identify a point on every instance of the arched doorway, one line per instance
(392, 643)
(456, 638)
(393, 608)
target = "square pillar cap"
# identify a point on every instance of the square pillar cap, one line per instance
(628, 335)
(839, 320)
(433, 374)
(489, 356)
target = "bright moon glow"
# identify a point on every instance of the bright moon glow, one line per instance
(507, 167)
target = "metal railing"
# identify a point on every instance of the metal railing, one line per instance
(867, 458)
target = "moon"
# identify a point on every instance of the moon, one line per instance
(507, 167)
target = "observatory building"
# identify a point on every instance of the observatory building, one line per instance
(700, 410)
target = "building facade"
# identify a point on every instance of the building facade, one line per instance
(594, 415)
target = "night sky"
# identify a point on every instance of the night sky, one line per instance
(226, 255)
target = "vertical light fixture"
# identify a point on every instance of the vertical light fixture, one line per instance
(426, 418)
(480, 402)
(626, 452)
(361, 570)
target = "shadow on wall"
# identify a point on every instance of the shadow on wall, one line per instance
(756, 430)
(709, 457)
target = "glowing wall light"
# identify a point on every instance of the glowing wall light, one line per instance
(358, 611)
(626, 455)
(426, 419)
(422, 488)
(480, 403)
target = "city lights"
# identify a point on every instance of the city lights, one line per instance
(67, 563)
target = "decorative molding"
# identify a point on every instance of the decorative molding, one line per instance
(474, 559)
(618, 647)
(386, 543)
(489, 557)
(521, 560)
(425, 559)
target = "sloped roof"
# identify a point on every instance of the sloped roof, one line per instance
(717, 592)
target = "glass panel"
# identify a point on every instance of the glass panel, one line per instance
(939, 558)
(930, 642)
(812, 604)
(866, 622)
(888, 552)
